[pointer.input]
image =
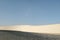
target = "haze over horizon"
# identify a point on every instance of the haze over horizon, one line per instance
(29, 12)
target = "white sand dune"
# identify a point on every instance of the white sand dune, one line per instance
(51, 29)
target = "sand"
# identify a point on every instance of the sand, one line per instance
(51, 29)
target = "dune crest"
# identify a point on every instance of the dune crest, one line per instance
(51, 29)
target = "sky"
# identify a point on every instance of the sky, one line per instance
(29, 12)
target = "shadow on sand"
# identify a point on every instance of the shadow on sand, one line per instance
(19, 35)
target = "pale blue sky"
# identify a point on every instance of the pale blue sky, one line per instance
(29, 12)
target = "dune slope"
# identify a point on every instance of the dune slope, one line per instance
(19, 35)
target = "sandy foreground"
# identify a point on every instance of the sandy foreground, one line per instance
(51, 29)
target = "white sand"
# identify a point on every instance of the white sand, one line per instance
(51, 29)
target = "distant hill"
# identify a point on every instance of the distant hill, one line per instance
(19, 35)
